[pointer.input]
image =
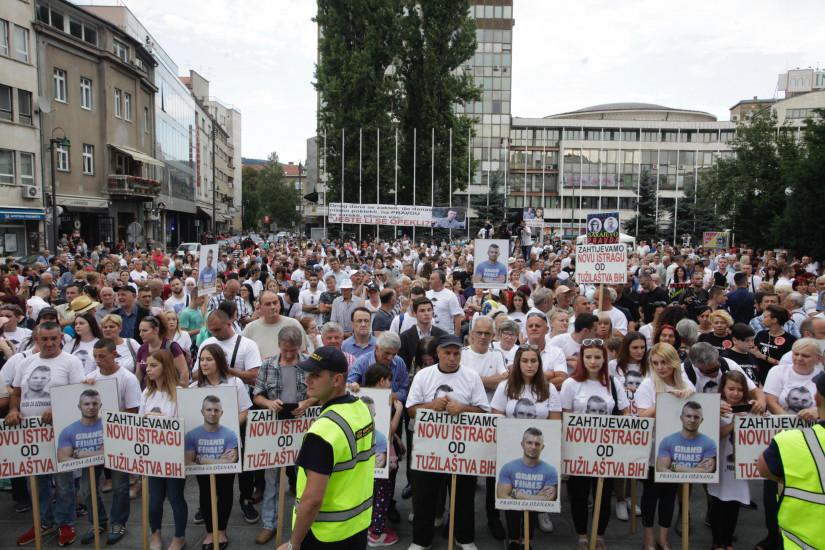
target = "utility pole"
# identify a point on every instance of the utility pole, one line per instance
(53, 143)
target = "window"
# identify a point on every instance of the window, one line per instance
(24, 107)
(127, 106)
(76, 28)
(21, 44)
(146, 120)
(121, 50)
(62, 158)
(88, 159)
(6, 167)
(86, 93)
(118, 107)
(27, 168)
(57, 20)
(6, 112)
(4, 37)
(60, 85)
(90, 35)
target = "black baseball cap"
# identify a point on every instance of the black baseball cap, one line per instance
(372, 288)
(325, 358)
(47, 312)
(449, 340)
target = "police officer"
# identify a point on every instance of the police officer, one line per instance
(336, 463)
(796, 458)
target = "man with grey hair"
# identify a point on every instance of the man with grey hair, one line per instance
(386, 353)
(794, 303)
(333, 335)
(617, 317)
(704, 368)
(542, 300)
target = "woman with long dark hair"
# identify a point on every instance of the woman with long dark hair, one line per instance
(87, 332)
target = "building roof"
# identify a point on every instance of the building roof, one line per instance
(627, 107)
(755, 100)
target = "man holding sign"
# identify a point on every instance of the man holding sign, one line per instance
(529, 477)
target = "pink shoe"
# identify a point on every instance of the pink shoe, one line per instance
(387, 538)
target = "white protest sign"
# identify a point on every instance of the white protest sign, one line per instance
(601, 263)
(273, 443)
(379, 401)
(596, 445)
(687, 438)
(212, 442)
(27, 449)
(384, 214)
(78, 422)
(753, 434)
(463, 444)
(143, 445)
(528, 461)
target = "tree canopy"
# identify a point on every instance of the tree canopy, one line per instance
(266, 194)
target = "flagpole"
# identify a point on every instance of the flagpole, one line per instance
(326, 182)
(450, 177)
(432, 176)
(415, 146)
(343, 146)
(377, 176)
(360, 184)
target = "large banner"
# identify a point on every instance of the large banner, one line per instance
(78, 422)
(597, 445)
(400, 214)
(463, 444)
(753, 434)
(528, 464)
(714, 239)
(213, 438)
(601, 263)
(273, 441)
(603, 228)
(491, 263)
(27, 449)
(533, 217)
(379, 402)
(144, 445)
(687, 438)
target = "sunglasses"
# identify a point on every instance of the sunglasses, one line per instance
(528, 347)
(587, 342)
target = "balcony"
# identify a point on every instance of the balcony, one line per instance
(126, 185)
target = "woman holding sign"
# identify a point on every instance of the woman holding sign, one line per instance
(591, 390)
(525, 394)
(665, 376)
(160, 398)
(215, 372)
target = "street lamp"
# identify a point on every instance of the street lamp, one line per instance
(64, 143)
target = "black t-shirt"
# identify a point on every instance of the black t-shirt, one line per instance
(316, 454)
(772, 346)
(720, 280)
(647, 300)
(721, 343)
(745, 360)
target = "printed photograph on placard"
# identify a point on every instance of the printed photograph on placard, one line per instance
(380, 405)
(448, 217)
(490, 263)
(212, 440)
(77, 411)
(207, 269)
(528, 464)
(687, 438)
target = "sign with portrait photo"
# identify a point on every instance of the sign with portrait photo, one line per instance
(78, 411)
(490, 263)
(208, 270)
(449, 217)
(212, 442)
(379, 402)
(687, 438)
(603, 228)
(528, 464)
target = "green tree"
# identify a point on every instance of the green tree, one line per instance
(647, 223)
(490, 205)
(266, 194)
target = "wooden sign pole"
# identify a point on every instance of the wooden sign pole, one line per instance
(95, 513)
(597, 507)
(213, 496)
(279, 537)
(144, 509)
(526, 530)
(632, 511)
(451, 528)
(35, 496)
(685, 516)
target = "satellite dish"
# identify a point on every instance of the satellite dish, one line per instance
(44, 105)
(134, 233)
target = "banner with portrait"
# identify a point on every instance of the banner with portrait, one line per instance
(208, 270)
(379, 402)
(490, 263)
(77, 411)
(687, 438)
(212, 443)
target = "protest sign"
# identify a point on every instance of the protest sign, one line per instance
(273, 442)
(528, 464)
(463, 444)
(753, 434)
(212, 441)
(144, 445)
(687, 438)
(382, 214)
(603, 228)
(379, 402)
(533, 217)
(596, 445)
(491, 272)
(715, 240)
(78, 422)
(601, 263)
(27, 449)
(207, 270)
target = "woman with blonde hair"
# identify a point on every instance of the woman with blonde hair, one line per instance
(127, 348)
(720, 337)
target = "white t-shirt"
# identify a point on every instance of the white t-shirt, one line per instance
(445, 307)
(464, 385)
(485, 364)
(617, 318)
(783, 381)
(125, 357)
(553, 360)
(173, 303)
(36, 377)
(408, 322)
(526, 406)
(729, 488)
(509, 355)
(128, 387)
(183, 339)
(138, 276)
(17, 337)
(590, 397)
(706, 384)
(158, 403)
(645, 397)
(248, 356)
(244, 402)
(84, 352)
(10, 368)
(312, 299)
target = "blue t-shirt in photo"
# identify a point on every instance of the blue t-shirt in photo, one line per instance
(211, 444)
(528, 479)
(491, 271)
(687, 452)
(82, 437)
(380, 442)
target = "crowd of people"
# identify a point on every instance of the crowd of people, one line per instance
(748, 324)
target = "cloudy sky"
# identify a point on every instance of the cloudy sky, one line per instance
(259, 55)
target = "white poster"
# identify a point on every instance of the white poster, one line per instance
(597, 445)
(463, 444)
(601, 263)
(379, 402)
(144, 445)
(383, 214)
(687, 438)
(78, 422)
(752, 435)
(273, 442)
(490, 263)
(528, 464)
(212, 443)
(207, 269)
(27, 449)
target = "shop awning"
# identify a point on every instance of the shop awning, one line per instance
(137, 155)
(7, 214)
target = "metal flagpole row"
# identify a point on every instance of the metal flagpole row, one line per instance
(450, 177)
(415, 147)
(341, 212)
(360, 184)
(432, 176)
(377, 174)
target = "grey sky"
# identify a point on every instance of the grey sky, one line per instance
(259, 55)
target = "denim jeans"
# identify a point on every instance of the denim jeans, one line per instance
(120, 497)
(62, 511)
(269, 506)
(161, 488)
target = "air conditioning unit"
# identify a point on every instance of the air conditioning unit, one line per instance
(148, 205)
(31, 192)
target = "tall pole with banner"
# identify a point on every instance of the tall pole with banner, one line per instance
(341, 213)
(377, 174)
(415, 146)
(432, 175)
(360, 183)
